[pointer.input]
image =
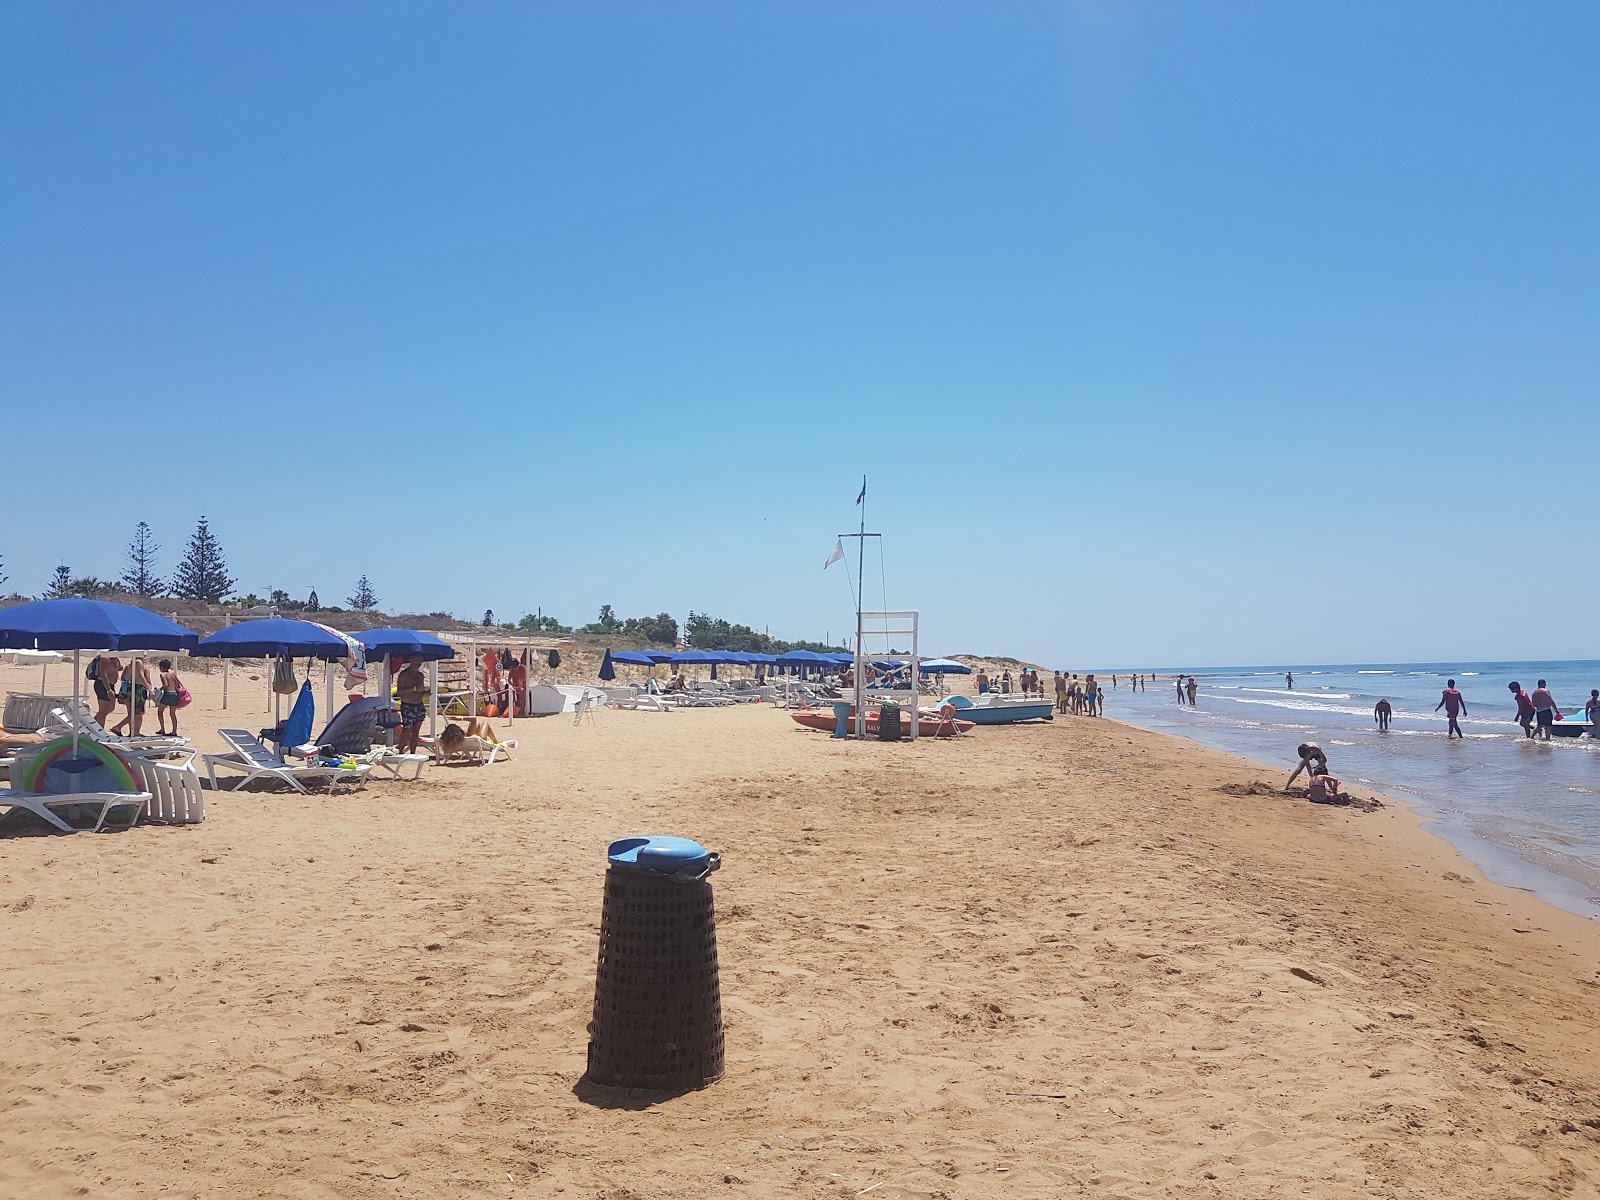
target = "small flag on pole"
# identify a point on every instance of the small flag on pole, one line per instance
(863, 494)
(835, 555)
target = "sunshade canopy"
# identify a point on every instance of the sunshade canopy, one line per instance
(413, 643)
(76, 623)
(270, 638)
(792, 657)
(693, 657)
(633, 658)
(944, 666)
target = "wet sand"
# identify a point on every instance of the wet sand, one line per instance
(1069, 959)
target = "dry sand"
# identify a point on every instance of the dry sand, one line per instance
(1060, 960)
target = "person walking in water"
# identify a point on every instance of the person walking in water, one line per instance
(1381, 712)
(1180, 689)
(1524, 708)
(1544, 710)
(1453, 706)
(1288, 680)
(1591, 714)
(1192, 689)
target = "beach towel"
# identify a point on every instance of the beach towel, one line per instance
(297, 729)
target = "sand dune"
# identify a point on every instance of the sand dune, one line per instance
(1037, 962)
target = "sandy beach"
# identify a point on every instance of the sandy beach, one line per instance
(1060, 960)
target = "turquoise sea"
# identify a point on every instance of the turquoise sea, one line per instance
(1527, 812)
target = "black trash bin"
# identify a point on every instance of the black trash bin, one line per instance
(657, 1000)
(889, 721)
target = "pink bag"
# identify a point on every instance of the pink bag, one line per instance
(184, 698)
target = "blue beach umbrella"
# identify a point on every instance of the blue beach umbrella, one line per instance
(79, 624)
(632, 658)
(607, 671)
(272, 637)
(413, 643)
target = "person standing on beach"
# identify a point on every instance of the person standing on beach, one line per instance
(1544, 710)
(1453, 705)
(107, 671)
(1005, 682)
(1381, 712)
(1192, 689)
(983, 683)
(1061, 693)
(134, 691)
(412, 692)
(168, 696)
(1524, 708)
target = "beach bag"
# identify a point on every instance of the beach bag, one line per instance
(184, 698)
(283, 680)
(555, 659)
(92, 671)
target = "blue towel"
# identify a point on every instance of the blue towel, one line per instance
(297, 729)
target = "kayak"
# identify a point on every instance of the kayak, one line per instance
(813, 718)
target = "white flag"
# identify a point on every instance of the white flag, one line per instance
(836, 555)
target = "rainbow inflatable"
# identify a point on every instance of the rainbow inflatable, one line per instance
(95, 767)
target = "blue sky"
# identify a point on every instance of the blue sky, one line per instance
(1167, 333)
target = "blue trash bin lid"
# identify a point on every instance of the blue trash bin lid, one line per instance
(665, 854)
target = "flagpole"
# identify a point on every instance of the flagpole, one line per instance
(860, 671)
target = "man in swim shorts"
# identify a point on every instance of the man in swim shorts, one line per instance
(412, 692)
(1544, 710)
(1453, 706)
(108, 672)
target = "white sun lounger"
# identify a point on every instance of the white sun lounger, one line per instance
(630, 698)
(176, 797)
(477, 750)
(88, 727)
(39, 804)
(250, 756)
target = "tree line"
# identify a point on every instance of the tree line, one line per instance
(202, 574)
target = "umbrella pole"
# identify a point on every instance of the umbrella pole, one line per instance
(433, 698)
(327, 688)
(224, 685)
(77, 720)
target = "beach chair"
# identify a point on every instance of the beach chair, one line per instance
(477, 750)
(252, 757)
(65, 720)
(41, 803)
(176, 797)
(634, 700)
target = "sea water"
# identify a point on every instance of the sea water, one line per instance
(1528, 812)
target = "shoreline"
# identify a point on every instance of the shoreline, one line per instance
(1416, 837)
(1556, 879)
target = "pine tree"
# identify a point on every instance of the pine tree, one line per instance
(488, 617)
(3, 575)
(203, 572)
(364, 599)
(312, 603)
(140, 578)
(60, 583)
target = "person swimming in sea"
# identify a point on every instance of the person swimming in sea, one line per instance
(1381, 712)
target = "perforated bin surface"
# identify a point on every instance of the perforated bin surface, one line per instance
(657, 1000)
